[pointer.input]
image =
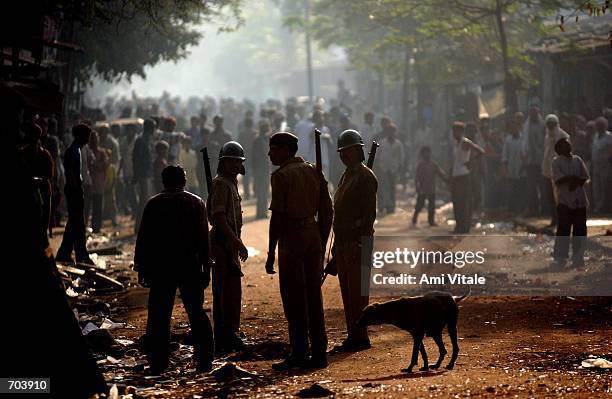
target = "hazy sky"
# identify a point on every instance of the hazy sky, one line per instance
(222, 64)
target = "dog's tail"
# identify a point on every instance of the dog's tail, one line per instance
(461, 298)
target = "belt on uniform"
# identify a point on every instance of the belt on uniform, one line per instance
(297, 223)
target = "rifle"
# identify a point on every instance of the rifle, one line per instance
(207, 171)
(372, 154)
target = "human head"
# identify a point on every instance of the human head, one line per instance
(590, 128)
(390, 131)
(130, 131)
(350, 147)
(81, 133)
(368, 118)
(580, 122)
(103, 131)
(248, 123)
(32, 132)
(264, 126)
(218, 121)
(195, 122)
(161, 148)
(563, 147)
(385, 121)
(148, 127)
(534, 111)
(173, 177)
(283, 146)
(519, 117)
(94, 139)
(345, 122)
(601, 124)
(425, 152)
(169, 124)
(317, 118)
(458, 130)
(552, 121)
(115, 130)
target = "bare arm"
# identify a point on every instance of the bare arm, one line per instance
(220, 222)
(276, 222)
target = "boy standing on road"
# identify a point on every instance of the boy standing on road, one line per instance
(569, 174)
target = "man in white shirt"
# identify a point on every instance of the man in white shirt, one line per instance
(553, 134)
(569, 174)
(303, 130)
(513, 167)
(601, 156)
(391, 159)
(464, 154)
(368, 130)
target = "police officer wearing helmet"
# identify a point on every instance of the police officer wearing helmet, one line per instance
(227, 248)
(355, 212)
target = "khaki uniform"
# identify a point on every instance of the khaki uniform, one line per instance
(226, 274)
(355, 212)
(296, 193)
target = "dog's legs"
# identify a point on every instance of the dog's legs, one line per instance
(418, 340)
(424, 356)
(452, 332)
(441, 348)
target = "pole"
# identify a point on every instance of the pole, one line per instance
(308, 52)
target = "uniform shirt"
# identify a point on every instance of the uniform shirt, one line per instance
(563, 166)
(426, 173)
(295, 189)
(512, 156)
(355, 203)
(460, 157)
(173, 235)
(225, 199)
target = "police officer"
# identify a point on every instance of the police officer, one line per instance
(355, 212)
(227, 248)
(297, 197)
(172, 252)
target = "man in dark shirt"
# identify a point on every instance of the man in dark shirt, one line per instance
(74, 234)
(143, 167)
(172, 252)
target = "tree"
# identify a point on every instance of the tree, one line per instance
(121, 37)
(448, 38)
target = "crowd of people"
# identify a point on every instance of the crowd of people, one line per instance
(148, 167)
(512, 172)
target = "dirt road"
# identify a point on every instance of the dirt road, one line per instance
(510, 346)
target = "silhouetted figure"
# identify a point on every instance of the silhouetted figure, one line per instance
(39, 164)
(143, 166)
(74, 234)
(172, 252)
(60, 353)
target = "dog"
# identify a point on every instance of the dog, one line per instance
(420, 316)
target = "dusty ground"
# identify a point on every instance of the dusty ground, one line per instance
(510, 346)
